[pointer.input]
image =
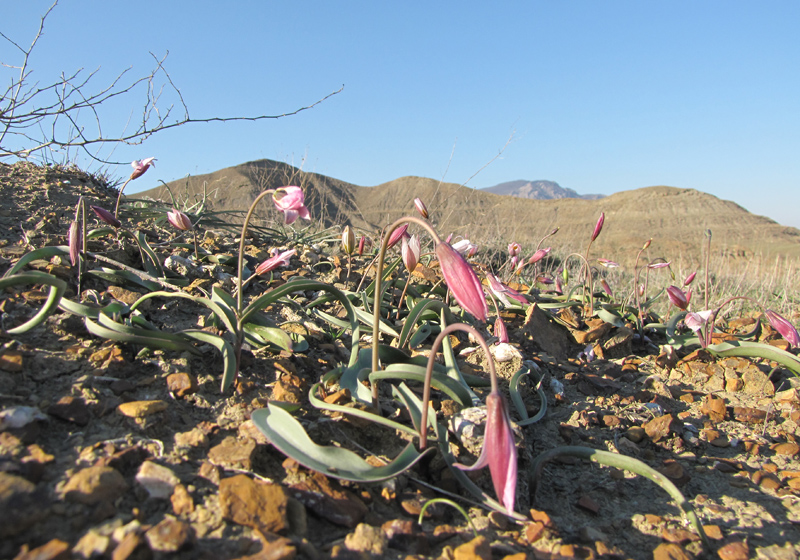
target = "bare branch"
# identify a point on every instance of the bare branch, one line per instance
(66, 112)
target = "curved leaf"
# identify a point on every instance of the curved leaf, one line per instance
(447, 385)
(289, 437)
(122, 333)
(225, 315)
(41, 253)
(225, 348)
(57, 289)
(748, 349)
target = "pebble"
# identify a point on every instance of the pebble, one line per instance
(233, 452)
(91, 545)
(20, 504)
(182, 502)
(266, 507)
(132, 547)
(734, 551)
(158, 480)
(670, 551)
(93, 485)
(660, 427)
(336, 505)
(71, 409)
(11, 361)
(140, 409)
(789, 449)
(195, 437)
(476, 549)
(367, 538)
(52, 550)
(181, 384)
(170, 535)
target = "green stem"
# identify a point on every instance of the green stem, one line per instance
(426, 392)
(378, 278)
(119, 197)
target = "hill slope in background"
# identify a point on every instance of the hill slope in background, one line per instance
(538, 190)
(675, 218)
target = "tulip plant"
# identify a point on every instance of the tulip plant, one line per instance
(381, 375)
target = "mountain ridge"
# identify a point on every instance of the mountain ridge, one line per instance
(675, 218)
(537, 190)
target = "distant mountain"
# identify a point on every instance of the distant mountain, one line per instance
(676, 219)
(538, 190)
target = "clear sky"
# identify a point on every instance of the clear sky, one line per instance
(597, 96)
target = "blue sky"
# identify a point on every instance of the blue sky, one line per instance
(597, 96)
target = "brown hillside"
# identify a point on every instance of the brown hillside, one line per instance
(675, 218)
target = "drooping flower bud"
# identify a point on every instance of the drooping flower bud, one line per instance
(500, 331)
(784, 327)
(689, 279)
(539, 255)
(398, 234)
(106, 216)
(462, 281)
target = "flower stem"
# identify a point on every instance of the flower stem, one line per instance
(119, 197)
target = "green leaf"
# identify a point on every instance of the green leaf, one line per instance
(219, 309)
(621, 462)
(516, 398)
(83, 310)
(149, 257)
(746, 349)
(289, 437)
(33, 277)
(225, 348)
(110, 329)
(44, 253)
(610, 316)
(414, 406)
(452, 388)
(415, 315)
(271, 337)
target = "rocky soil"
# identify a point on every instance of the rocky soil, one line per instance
(110, 452)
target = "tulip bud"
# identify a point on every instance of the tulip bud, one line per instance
(599, 225)
(462, 281)
(421, 208)
(410, 252)
(74, 242)
(106, 216)
(348, 240)
(274, 262)
(500, 331)
(179, 220)
(784, 327)
(647, 244)
(677, 297)
(689, 279)
(398, 234)
(539, 255)
(139, 167)
(361, 243)
(606, 287)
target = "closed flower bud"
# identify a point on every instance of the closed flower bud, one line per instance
(179, 220)
(599, 226)
(410, 251)
(398, 234)
(74, 242)
(348, 240)
(421, 208)
(462, 281)
(784, 327)
(106, 216)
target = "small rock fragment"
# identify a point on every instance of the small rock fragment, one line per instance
(367, 538)
(476, 549)
(734, 551)
(140, 409)
(233, 452)
(170, 535)
(52, 550)
(93, 485)
(21, 505)
(158, 480)
(670, 551)
(181, 384)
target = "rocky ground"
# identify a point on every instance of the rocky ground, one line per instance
(107, 452)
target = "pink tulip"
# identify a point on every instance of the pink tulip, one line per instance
(689, 279)
(410, 252)
(606, 287)
(179, 220)
(462, 281)
(514, 249)
(290, 202)
(653, 266)
(501, 291)
(74, 242)
(498, 451)
(361, 243)
(500, 331)
(539, 255)
(398, 234)
(465, 247)
(784, 327)
(599, 225)
(139, 167)
(281, 259)
(421, 208)
(607, 263)
(677, 297)
(106, 216)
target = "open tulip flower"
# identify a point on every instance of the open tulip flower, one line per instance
(140, 166)
(281, 259)
(290, 201)
(465, 247)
